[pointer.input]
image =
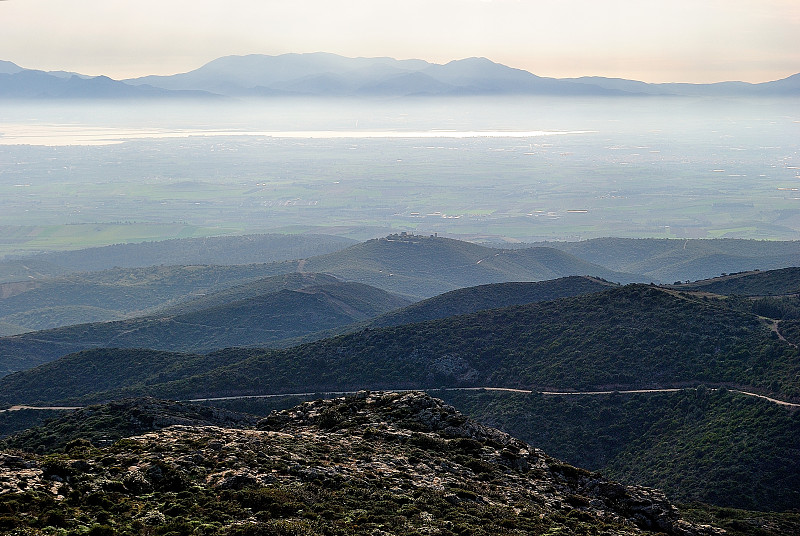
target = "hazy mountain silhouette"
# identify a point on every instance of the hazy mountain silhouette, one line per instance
(785, 87)
(27, 84)
(7, 67)
(322, 74)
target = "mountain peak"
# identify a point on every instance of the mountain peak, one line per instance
(7, 67)
(413, 409)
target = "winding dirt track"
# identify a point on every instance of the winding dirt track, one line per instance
(505, 390)
(500, 389)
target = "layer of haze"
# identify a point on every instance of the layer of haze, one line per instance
(650, 40)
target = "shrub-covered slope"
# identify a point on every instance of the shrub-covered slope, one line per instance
(716, 447)
(493, 296)
(634, 336)
(102, 369)
(400, 464)
(768, 283)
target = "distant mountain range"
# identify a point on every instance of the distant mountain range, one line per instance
(329, 75)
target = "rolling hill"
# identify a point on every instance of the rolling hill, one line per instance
(275, 311)
(220, 250)
(413, 266)
(669, 260)
(421, 266)
(119, 292)
(629, 337)
(418, 267)
(782, 282)
(255, 314)
(492, 296)
(635, 336)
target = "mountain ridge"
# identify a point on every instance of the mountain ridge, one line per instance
(661, 338)
(323, 74)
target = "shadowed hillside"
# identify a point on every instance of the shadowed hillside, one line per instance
(716, 447)
(225, 250)
(255, 314)
(482, 297)
(121, 292)
(634, 336)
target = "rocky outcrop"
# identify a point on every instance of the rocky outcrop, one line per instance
(557, 485)
(374, 463)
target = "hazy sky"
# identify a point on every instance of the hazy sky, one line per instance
(651, 40)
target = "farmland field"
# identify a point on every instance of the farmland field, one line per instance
(518, 170)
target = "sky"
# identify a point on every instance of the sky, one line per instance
(650, 40)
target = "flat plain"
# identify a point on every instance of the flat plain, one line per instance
(490, 169)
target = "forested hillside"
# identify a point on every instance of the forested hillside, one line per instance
(493, 296)
(633, 336)
(715, 447)
(768, 283)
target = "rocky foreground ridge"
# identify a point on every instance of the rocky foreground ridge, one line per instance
(375, 463)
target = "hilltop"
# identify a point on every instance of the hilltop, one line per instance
(782, 282)
(492, 296)
(424, 266)
(392, 463)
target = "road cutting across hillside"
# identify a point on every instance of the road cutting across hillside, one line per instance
(492, 389)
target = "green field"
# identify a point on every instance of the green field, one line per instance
(665, 169)
(18, 239)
